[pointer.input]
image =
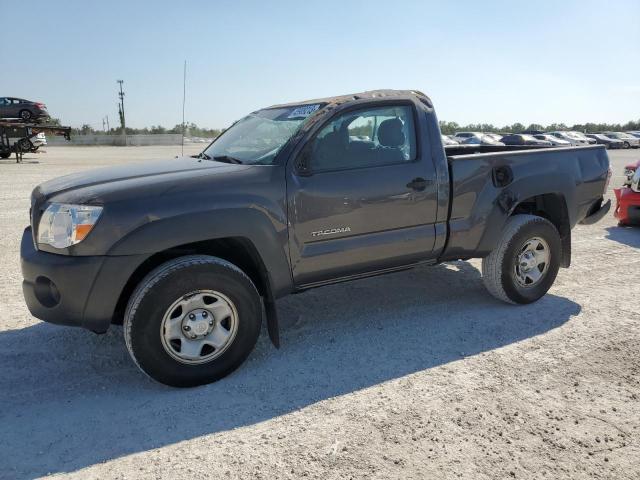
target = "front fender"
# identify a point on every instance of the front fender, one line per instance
(268, 238)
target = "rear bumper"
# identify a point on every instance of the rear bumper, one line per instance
(595, 215)
(627, 206)
(73, 290)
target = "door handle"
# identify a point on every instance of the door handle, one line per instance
(418, 184)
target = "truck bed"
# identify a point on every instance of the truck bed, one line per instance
(574, 175)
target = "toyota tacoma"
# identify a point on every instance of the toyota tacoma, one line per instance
(190, 254)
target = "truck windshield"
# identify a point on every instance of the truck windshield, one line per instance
(257, 138)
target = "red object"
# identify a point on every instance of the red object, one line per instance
(627, 206)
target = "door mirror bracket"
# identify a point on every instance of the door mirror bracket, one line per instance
(303, 162)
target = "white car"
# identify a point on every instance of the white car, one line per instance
(448, 141)
(476, 138)
(40, 140)
(572, 139)
(629, 141)
(582, 136)
(555, 141)
(461, 137)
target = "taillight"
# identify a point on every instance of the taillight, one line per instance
(41, 105)
(606, 183)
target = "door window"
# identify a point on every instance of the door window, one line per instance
(365, 138)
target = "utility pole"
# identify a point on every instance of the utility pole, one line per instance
(108, 127)
(184, 97)
(121, 112)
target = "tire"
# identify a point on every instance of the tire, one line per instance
(25, 144)
(501, 270)
(25, 115)
(149, 312)
(626, 145)
(5, 154)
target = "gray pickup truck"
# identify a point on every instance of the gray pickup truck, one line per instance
(190, 254)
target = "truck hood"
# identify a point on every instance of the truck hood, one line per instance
(99, 184)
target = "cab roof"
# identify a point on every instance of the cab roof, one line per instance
(339, 99)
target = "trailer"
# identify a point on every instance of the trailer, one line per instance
(15, 136)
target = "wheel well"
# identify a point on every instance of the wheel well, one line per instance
(553, 207)
(237, 250)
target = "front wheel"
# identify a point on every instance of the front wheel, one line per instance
(25, 144)
(526, 261)
(192, 320)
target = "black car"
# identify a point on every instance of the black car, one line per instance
(25, 110)
(524, 139)
(606, 141)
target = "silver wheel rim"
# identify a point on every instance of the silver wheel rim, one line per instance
(198, 327)
(26, 114)
(532, 262)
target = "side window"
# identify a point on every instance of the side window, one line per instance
(3, 102)
(365, 138)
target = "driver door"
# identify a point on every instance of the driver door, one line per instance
(368, 202)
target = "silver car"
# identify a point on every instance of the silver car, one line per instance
(628, 141)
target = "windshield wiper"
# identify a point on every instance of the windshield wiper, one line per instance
(201, 155)
(227, 159)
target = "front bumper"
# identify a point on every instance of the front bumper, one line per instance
(627, 206)
(73, 290)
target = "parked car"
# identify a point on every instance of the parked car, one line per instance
(629, 171)
(189, 253)
(446, 140)
(461, 137)
(629, 141)
(582, 136)
(628, 201)
(477, 138)
(523, 139)
(494, 136)
(606, 141)
(555, 141)
(572, 139)
(634, 134)
(25, 110)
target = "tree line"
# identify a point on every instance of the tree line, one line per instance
(191, 130)
(449, 128)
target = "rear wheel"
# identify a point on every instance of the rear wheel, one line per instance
(5, 154)
(626, 145)
(25, 115)
(192, 321)
(526, 261)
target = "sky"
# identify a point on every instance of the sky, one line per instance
(496, 62)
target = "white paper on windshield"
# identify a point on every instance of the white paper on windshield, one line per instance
(304, 111)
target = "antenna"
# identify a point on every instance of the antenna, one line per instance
(184, 97)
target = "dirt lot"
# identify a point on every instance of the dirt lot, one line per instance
(414, 375)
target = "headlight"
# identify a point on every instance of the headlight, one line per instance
(64, 225)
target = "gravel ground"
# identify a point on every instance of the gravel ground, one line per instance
(419, 374)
